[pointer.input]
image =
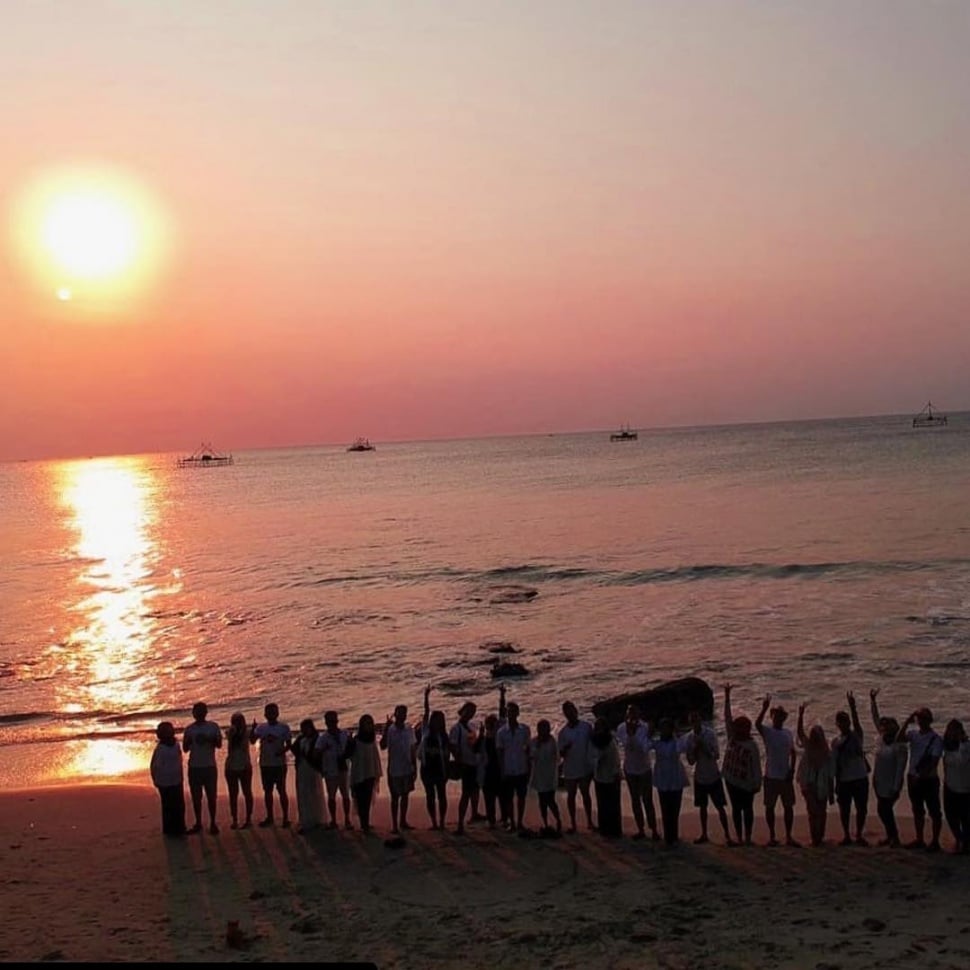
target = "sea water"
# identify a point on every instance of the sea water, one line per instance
(801, 559)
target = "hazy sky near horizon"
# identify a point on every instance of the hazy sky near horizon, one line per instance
(421, 219)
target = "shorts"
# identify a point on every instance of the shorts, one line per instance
(924, 796)
(337, 782)
(783, 788)
(274, 777)
(399, 785)
(847, 792)
(516, 784)
(203, 779)
(469, 779)
(713, 790)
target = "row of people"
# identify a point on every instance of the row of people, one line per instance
(498, 760)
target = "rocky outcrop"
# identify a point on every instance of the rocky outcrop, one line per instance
(506, 669)
(675, 699)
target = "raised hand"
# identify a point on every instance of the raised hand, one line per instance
(850, 697)
(766, 703)
(874, 693)
(801, 709)
(728, 688)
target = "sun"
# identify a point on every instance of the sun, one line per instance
(90, 235)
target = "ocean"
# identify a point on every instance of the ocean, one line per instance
(801, 559)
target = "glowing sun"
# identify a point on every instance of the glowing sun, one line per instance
(90, 234)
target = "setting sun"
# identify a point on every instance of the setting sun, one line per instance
(91, 235)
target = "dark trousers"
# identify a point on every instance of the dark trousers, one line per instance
(173, 809)
(670, 813)
(886, 810)
(608, 808)
(956, 807)
(742, 810)
(364, 795)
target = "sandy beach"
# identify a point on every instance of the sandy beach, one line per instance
(87, 876)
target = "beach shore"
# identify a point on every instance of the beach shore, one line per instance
(87, 876)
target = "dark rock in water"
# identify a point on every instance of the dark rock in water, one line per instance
(499, 646)
(509, 670)
(513, 594)
(675, 699)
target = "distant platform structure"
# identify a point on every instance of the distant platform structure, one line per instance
(929, 418)
(361, 444)
(205, 456)
(624, 434)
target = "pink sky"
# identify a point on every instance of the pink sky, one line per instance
(443, 219)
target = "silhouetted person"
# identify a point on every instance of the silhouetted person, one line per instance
(166, 773)
(577, 771)
(607, 776)
(704, 753)
(309, 783)
(434, 756)
(463, 740)
(851, 772)
(200, 739)
(669, 777)
(544, 757)
(741, 770)
(956, 783)
(399, 742)
(779, 774)
(512, 744)
(633, 739)
(923, 779)
(816, 777)
(332, 758)
(365, 768)
(274, 739)
(492, 775)
(239, 769)
(888, 770)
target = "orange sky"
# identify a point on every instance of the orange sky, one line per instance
(443, 219)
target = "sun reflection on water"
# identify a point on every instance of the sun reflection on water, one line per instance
(112, 508)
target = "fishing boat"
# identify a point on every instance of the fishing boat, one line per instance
(361, 444)
(624, 434)
(205, 456)
(928, 418)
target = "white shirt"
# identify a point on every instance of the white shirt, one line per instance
(635, 748)
(330, 747)
(463, 738)
(273, 739)
(545, 764)
(668, 769)
(702, 749)
(956, 768)
(513, 743)
(919, 742)
(779, 743)
(201, 738)
(400, 744)
(889, 768)
(166, 765)
(574, 748)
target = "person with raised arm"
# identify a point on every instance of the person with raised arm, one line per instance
(741, 769)
(398, 740)
(573, 740)
(703, 753)
(779, 778)
(332, 759)
(512, 744)
(633, 740)
(433, 755)
(851, 772)
(816, 776)
(888, 770)
(922, 778)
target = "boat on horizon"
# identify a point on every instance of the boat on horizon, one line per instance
(624, 434)
(928, 418)
(361, 444)
(205, 456)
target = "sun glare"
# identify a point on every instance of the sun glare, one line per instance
(90, 236)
